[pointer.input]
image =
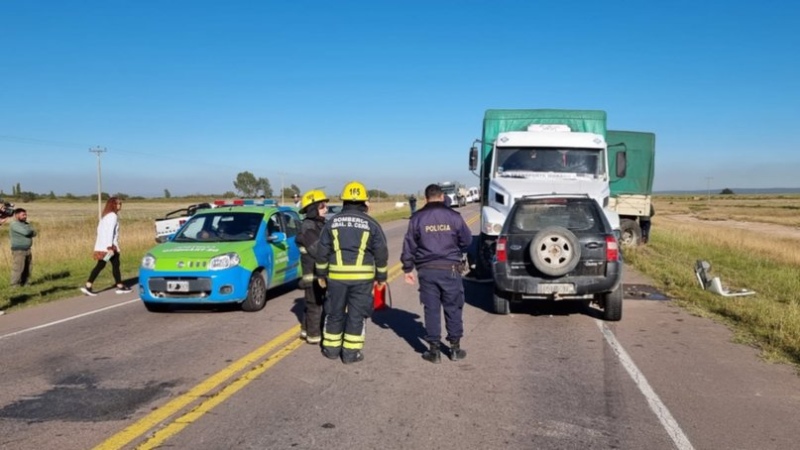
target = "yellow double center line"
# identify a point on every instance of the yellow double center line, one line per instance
(224, 383)
(220, 382)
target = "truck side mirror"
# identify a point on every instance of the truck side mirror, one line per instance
(473, 158)
(622, 164)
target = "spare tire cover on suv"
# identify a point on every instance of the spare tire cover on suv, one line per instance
(555, 251)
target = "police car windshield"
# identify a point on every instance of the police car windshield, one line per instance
(220, 227)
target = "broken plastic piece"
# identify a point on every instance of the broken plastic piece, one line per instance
(714, 284)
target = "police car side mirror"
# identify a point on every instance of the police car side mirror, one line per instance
(276, 237)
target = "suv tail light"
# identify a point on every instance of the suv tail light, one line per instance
(500, 249)
(612, 248)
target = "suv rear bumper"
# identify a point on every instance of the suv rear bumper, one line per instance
(535, 288)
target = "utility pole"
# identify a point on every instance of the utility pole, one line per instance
(708, 190)
(98, 151)
(281, 174)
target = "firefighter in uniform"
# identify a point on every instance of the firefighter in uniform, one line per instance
(314, 205)
(436, 238)
(352, 261)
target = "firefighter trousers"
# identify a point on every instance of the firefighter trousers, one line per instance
(312, 314)
(347, 306)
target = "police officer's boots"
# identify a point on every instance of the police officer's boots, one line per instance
(433, 355)
(456, 352)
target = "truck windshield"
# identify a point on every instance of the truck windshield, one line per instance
(448, 189)
(582, 161)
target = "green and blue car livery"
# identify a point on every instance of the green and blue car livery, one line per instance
(229, 254)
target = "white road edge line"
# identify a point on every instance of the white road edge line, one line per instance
(39, 327)
(656, 405)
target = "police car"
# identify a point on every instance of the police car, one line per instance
(232, 253)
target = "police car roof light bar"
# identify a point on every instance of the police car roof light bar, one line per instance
(245, 202)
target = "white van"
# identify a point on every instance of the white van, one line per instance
(473, 195)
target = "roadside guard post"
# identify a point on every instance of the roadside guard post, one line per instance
(381, 298)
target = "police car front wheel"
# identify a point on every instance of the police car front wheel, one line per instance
(256, 293)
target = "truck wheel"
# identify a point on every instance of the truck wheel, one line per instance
(612, 305)
(631, 232)
(502, 305)
(256, 293)
(483, 265)
(555, 251)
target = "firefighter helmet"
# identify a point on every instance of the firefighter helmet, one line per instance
(355, 192)
(312, 196)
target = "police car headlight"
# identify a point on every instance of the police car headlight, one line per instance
(149, 261)
(225, 261)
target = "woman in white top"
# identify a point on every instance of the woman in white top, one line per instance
(106, 247)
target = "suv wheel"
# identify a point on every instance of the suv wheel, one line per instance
(256, 293)
(612, 305)
(555, 251)
(501, 304)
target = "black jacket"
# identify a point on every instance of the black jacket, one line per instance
(436, 237)
(308, 240)
(352, 247)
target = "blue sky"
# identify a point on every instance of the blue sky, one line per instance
(186, 94)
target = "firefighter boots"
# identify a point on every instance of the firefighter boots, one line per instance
(433, 355)
(352, 357)
(331, 353)
(456, 352)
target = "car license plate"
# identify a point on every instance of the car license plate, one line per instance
(555, 288)
(177, 286)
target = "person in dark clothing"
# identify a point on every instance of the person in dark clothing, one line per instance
(644, 223)
(352, 262)
(412, 203)
(21, 237)
(436, 238)
(314, 205)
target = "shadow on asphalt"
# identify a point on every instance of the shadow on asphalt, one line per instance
(406, 325)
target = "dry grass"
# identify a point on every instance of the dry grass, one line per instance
(756, 254)
(780, 209)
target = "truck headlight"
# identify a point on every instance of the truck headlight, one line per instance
(493, 228)
(225, 261)
(148, 261)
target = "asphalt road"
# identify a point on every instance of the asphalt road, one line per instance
(103, 372)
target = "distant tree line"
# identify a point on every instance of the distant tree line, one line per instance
(246, 185)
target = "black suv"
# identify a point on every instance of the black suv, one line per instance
(558, 248)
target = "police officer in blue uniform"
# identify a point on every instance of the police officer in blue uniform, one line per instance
(436, 238)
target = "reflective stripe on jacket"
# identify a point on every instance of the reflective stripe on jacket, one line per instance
(352, 247)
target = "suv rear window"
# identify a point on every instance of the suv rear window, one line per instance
(574, 214)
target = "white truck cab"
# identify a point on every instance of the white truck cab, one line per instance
(545, 159)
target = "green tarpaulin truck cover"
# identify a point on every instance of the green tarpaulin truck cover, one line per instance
(496, 121)
(641, 150)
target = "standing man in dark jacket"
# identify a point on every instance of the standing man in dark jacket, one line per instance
(436, 238)
(22, 234)
(645, 224)
(353, 260)
(314, 205)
